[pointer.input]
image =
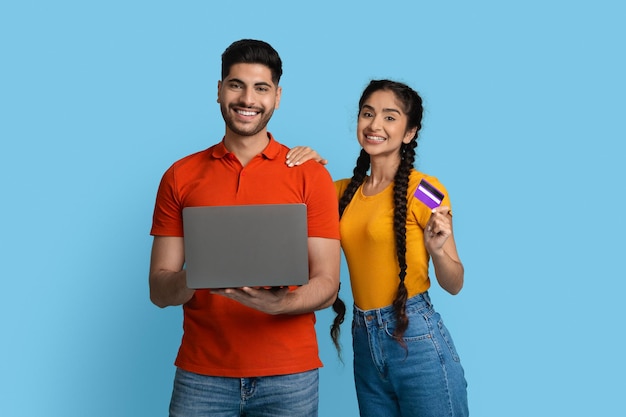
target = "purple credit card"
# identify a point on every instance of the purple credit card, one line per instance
(428, 194)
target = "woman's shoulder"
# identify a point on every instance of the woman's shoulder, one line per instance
(341, 185)
(415, 177)
(421, 185)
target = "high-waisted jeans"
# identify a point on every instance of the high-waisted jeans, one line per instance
(424, 378)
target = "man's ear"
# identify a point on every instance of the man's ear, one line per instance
(279, 92)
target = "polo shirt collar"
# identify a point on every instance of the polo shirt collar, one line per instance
(271, 151)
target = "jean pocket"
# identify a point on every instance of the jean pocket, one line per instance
(417, 329)
(448, 340)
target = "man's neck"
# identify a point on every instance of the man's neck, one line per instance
(246, 147)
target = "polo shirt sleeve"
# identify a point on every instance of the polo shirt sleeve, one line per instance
(321, 201)
(167, 217)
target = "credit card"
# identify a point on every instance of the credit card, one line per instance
(428, 194)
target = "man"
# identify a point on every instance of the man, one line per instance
(246, 351)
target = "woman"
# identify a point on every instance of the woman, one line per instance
(405, 363)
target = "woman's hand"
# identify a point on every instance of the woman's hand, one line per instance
(440, 244)
(438, 230)
(300, 154)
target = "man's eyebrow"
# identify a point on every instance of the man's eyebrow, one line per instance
(260, 83)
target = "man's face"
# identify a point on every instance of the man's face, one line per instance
(247, 98)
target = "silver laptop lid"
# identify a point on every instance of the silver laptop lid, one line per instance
(248, 245)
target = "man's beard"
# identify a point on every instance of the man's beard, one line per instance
(249, 129)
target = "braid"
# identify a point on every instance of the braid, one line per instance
(413, 109)
(400, 186)
(339, 307)
(358, 176)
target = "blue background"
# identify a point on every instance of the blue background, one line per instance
(524, 124)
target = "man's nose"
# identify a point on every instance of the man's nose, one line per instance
(247, 96)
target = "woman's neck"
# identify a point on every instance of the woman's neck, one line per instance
(381, 175)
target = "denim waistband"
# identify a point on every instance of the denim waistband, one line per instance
(413, 304)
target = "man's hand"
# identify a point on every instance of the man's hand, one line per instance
(319, 293)
(271, 300)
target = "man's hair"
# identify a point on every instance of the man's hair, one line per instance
(251, 51)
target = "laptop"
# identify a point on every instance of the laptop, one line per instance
(246, 246)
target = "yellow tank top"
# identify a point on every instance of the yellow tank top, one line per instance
(368, 243)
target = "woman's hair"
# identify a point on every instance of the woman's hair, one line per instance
(412, 106)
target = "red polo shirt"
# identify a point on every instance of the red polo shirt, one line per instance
(222, 337)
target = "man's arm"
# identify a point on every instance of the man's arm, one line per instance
(168, 281)
(319, 293)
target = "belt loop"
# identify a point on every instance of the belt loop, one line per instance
(379, 318)
(427, 299)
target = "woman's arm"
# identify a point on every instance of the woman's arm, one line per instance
(439, 241)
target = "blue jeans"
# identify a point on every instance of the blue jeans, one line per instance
(197, 395)
(425, 379)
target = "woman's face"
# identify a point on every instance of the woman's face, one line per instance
(381, 127)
